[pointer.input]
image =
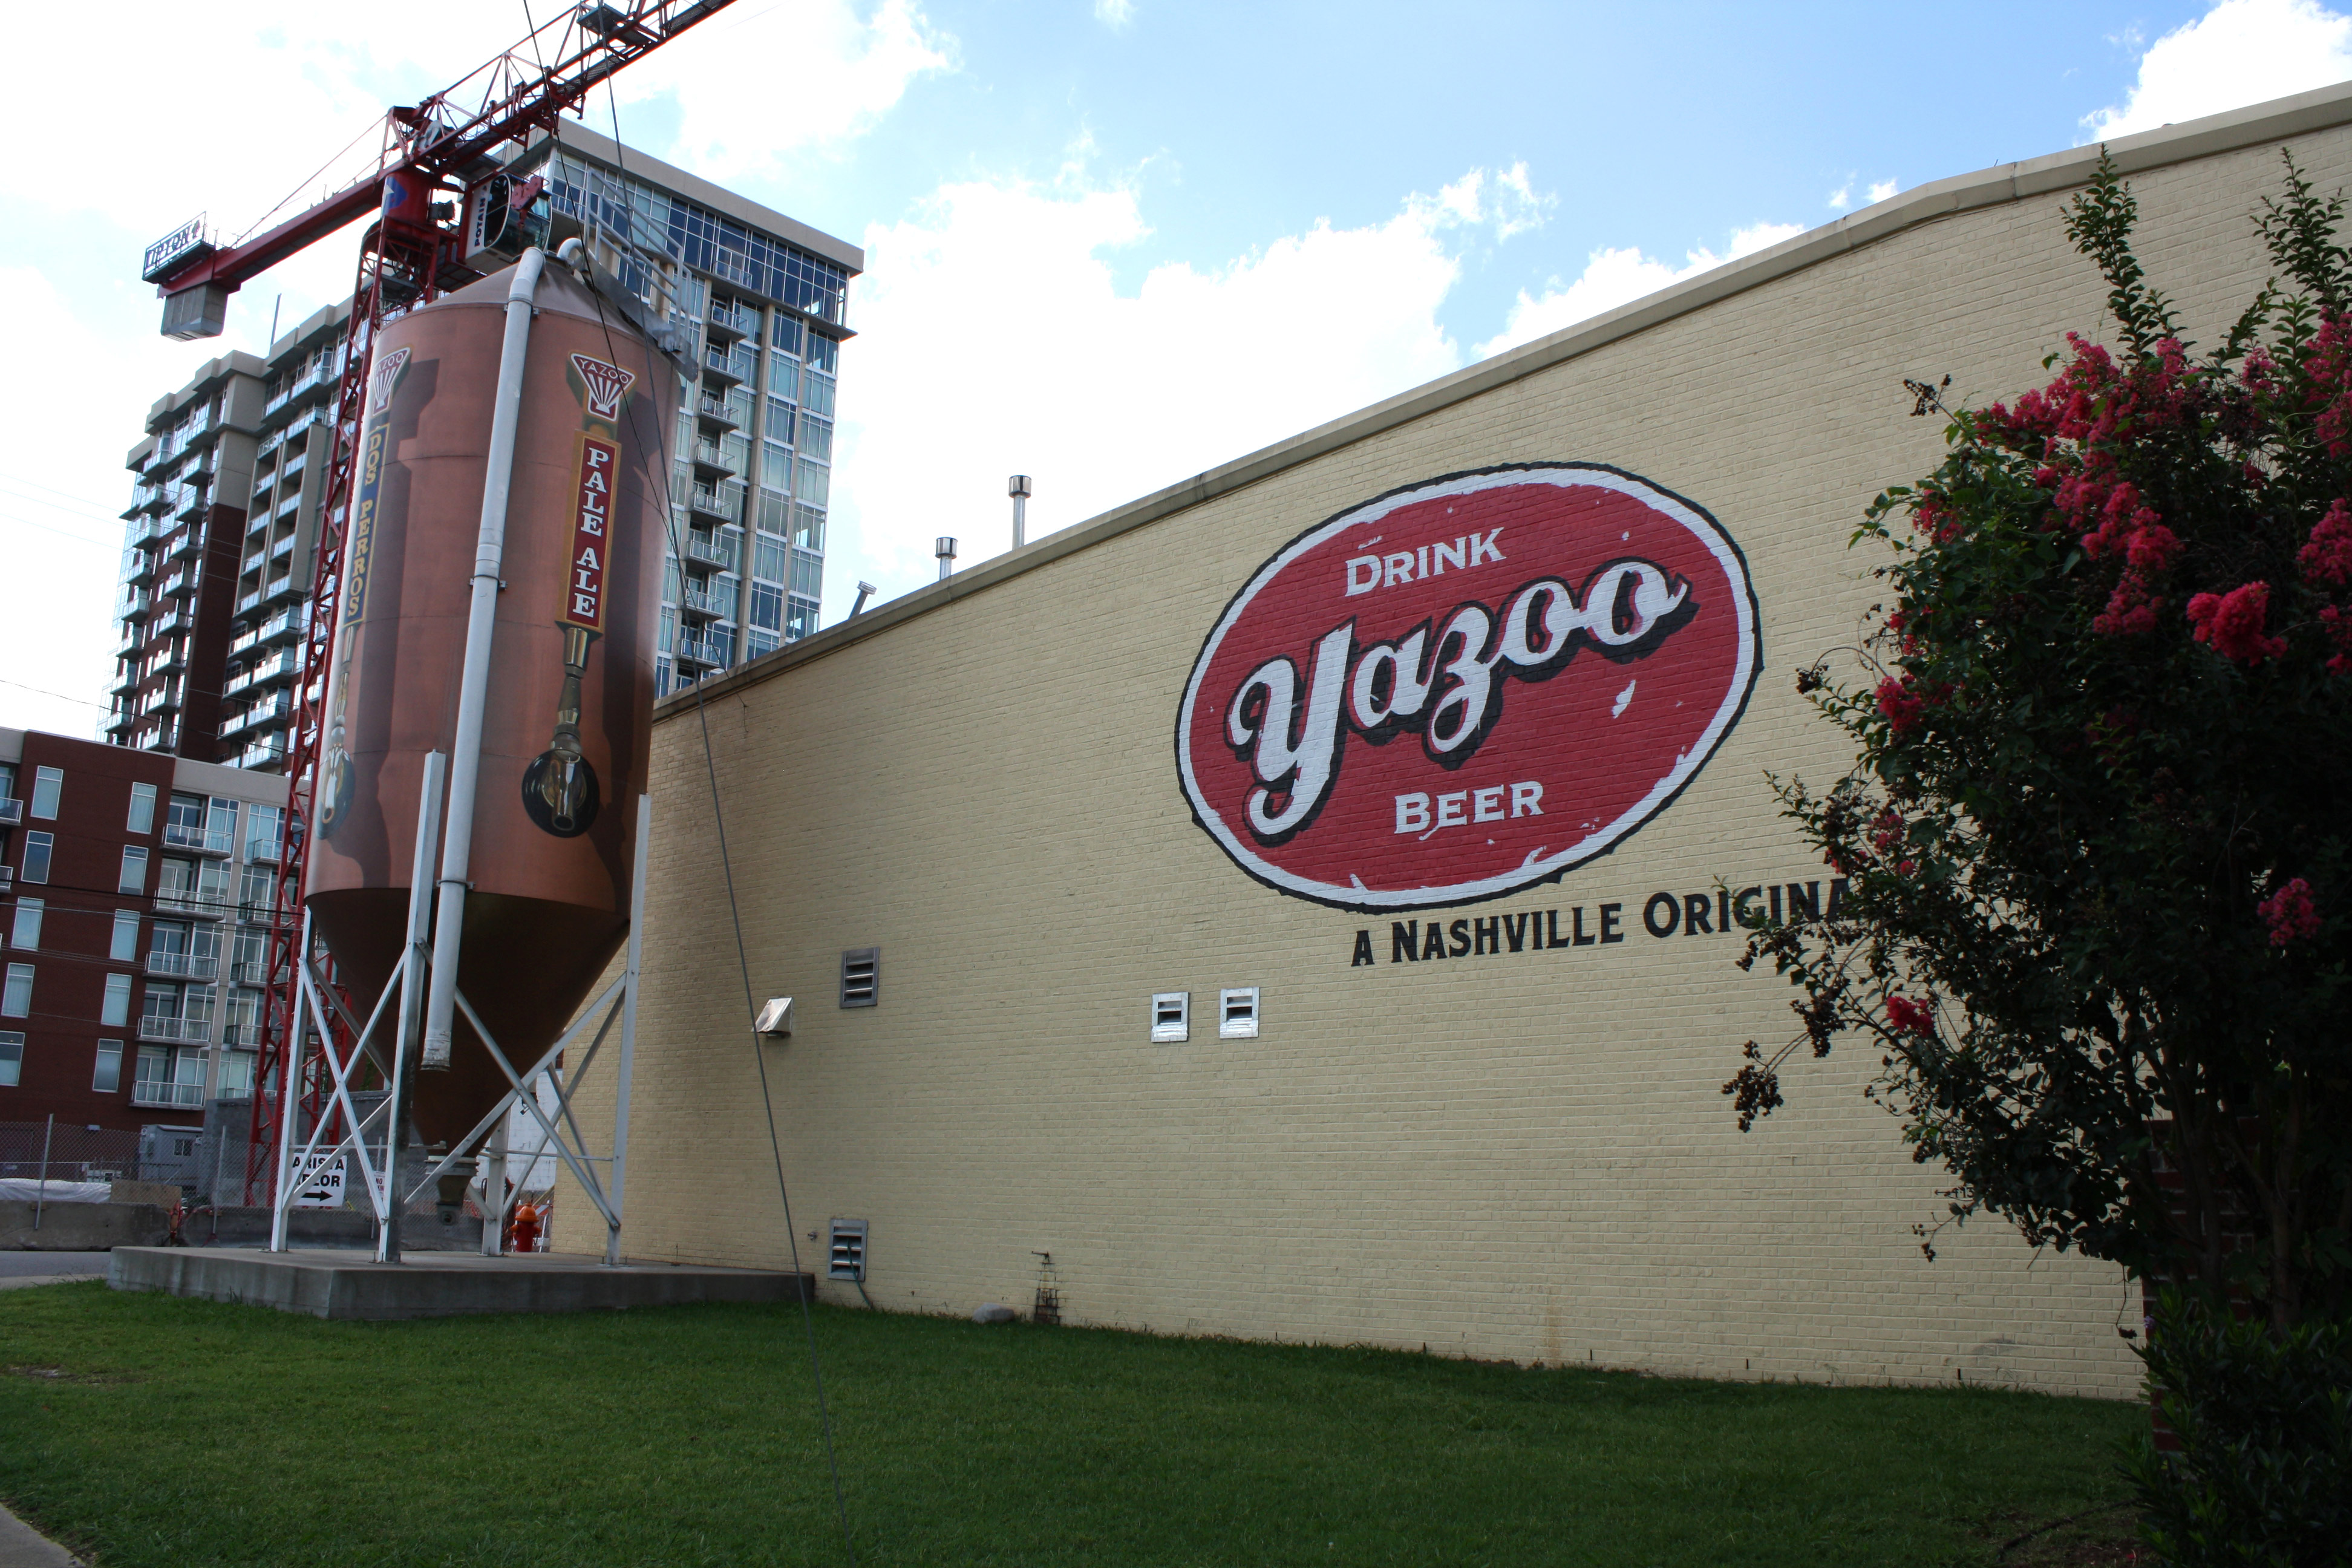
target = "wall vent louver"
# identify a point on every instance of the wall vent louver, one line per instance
(861, 976)
(846, 1257)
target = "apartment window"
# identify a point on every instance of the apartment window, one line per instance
(236, 1073)
(263, 827)
(776, 467)
(8, 781)
(800, 619)
(143, 808)
(816, 484)
(220, 823)
(47, 785)
(17, 998)
(258, 892)
(115, 1010)
(25, 931)
(767, 606)
(770, 560)
(125, 946)
(780, 421)
(183, 821)
(108, 1077)
(784, 337)
(12, 1058)
(823, 357)
(37, 856)
(861, 976)
(775, 513)
(817, 438)
(809, 529)
(133, 878)
(808, 574)
(756, 643)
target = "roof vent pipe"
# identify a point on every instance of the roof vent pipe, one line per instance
(1017, 487)
(945, 550)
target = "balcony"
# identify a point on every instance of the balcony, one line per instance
(185, 966)
(177, 1031)
(694, 650)
(12, 812)
(268, 752)
(724, 502)
(283, 626)
(155, 499)
(283, 548)
(704, 603)
(729, 365)
(166, 738)
(260, 912)
(728, 325)
(249, 601)
(7, 878)
(186, 545)
(281, 590)
(170, 623)
(142, 531)
(280, 666)
(190, 901)
(711, 464)
(715, 410)
(179, 584)
(200, 837)
(154, 1091)
(164, 699)
(702, 549)
(192, 501)
(143, 568)
(249, 972)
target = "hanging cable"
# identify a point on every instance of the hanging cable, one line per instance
(735, 914)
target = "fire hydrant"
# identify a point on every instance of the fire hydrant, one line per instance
(522, 1231)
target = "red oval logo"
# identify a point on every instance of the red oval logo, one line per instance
(1468, 686)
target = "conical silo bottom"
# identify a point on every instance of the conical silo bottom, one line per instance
(526, 966)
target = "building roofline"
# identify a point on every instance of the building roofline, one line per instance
(622, 159)
(1997, 185)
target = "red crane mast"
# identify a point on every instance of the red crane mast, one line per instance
(443, 146)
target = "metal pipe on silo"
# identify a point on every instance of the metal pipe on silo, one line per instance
(489, 549)
(945, 548)
(1017, 487)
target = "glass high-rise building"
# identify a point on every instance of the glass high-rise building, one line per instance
(764, 300)
(219, 548)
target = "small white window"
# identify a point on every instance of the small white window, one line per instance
(143, 808)
(115, 1010)
(1171, 1017)
(12, 1058)
(126, 936)
(133, 878)
(16, 997)
(26, 931)
(1237, 1014)
(108, 1077)
(47, 785)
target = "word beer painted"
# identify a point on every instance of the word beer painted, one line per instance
(1575, 637)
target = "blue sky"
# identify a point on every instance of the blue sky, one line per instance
(1110, 242)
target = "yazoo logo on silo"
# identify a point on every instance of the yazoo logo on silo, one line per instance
(1468, 686)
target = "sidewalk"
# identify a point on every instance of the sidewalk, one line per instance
(21, 1269)
(22, 1547)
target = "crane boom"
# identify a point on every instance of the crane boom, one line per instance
(407, 255)
(452, 133)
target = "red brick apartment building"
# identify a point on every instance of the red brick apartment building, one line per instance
(136, 891)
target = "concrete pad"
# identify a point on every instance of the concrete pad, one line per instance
(22, 1546)
(352, 1285)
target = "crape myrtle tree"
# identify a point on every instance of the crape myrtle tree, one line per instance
(2096, 834)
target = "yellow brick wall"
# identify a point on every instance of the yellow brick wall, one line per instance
(1524, 1156)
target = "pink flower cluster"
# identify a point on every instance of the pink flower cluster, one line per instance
(2327, 559)
(1914, 1017)
(2232, 624)
(1901, 706)
(2330, 366)
(2290, 912)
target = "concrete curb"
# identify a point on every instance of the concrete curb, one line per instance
(22, 1546)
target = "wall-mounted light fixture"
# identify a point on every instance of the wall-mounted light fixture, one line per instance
(776, 1017)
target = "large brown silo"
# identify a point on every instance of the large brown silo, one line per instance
(569, 704)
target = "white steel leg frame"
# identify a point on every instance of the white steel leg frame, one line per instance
(376, 1141)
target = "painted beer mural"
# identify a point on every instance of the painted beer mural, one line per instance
(1468, 686)
(570, 704)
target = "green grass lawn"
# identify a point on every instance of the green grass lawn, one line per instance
(150, 1430)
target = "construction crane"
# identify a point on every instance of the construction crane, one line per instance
(437, 188)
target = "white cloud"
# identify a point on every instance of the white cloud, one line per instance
(1617, 276)
(2238, 53)
(1114, 13)
(1883, 190)
(993, 340)
(1843, 197)
(845, 72)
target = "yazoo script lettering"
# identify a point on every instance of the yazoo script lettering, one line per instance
(1448, 686)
